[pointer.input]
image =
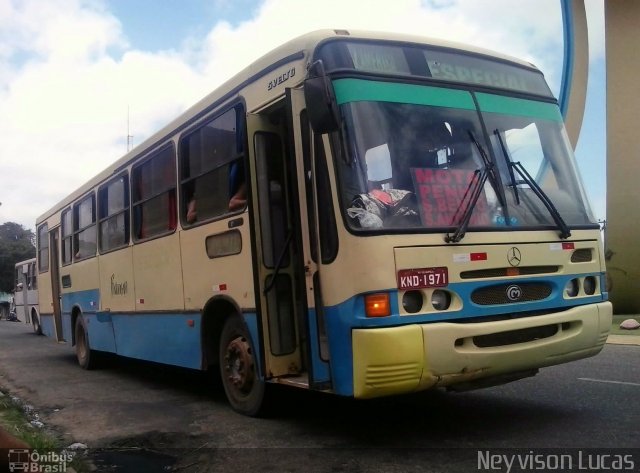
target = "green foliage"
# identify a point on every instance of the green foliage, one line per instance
(15, 422)
(16, 244)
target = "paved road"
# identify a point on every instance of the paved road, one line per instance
(591, 403)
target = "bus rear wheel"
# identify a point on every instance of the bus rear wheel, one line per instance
(242, 384)
(86, 357)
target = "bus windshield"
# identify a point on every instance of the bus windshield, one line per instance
(416, 155)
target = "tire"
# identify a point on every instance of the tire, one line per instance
(87, 358)
(35, 321)
(238, 369)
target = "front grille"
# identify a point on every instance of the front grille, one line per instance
(515, 336)
(502, 272)
(494, 295)
(582, 255)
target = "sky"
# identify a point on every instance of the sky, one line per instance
(78, 76)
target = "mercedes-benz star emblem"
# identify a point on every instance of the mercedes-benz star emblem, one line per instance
(514, 293)
(513, 256)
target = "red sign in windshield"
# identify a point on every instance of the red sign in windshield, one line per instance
(440, 194)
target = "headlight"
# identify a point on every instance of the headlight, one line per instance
(440, 300)
(589, 285)
(572, 288)
(412, 301)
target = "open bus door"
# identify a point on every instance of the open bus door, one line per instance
(278, 258)
(54, 237)
(307, 145)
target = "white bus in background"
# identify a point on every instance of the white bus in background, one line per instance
(25, 298)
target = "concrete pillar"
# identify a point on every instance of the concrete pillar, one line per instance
(622, 245)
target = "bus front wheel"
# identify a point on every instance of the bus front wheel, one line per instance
(86, 356)
(242, 384)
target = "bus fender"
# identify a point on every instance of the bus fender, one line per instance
(214, 313)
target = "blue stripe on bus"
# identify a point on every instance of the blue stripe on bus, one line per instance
(320, 368)
(100, 329)
(342, 318)
(67, 329)
(87, 301)
(46, 324)
(162, 338)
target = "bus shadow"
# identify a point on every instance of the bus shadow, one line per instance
(493, 416)
(158, 376)
(421, 420)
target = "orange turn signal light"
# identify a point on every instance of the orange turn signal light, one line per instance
(377, 305)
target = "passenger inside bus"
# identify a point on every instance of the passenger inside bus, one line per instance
(237, 187)
(239, 199)
(237, 192)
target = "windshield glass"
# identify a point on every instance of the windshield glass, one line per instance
(531, 135)
(415, 154)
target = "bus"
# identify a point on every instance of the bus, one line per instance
(25, 297)
(358, 213)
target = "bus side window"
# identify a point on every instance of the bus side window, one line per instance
(212, 169)
(113, 214)
(43, 248)
(84, 228)
(154, 195)
(34, 276)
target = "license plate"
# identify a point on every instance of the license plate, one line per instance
(423, 278)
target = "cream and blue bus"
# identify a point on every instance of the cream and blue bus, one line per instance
(359, 213)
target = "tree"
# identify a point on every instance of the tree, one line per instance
(16, 244)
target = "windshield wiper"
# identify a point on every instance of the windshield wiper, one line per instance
(474, 189)
(537, 190)
(488, 164)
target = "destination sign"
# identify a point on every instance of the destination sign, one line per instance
(476, 75)
(437, 63)
(376, 58)
(475, 70)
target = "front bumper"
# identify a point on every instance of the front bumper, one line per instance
(415, 357)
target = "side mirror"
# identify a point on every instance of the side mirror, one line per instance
(320, 100)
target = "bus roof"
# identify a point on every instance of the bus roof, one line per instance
(27, 261)
(299, 48)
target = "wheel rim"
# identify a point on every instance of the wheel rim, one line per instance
(239, 366)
